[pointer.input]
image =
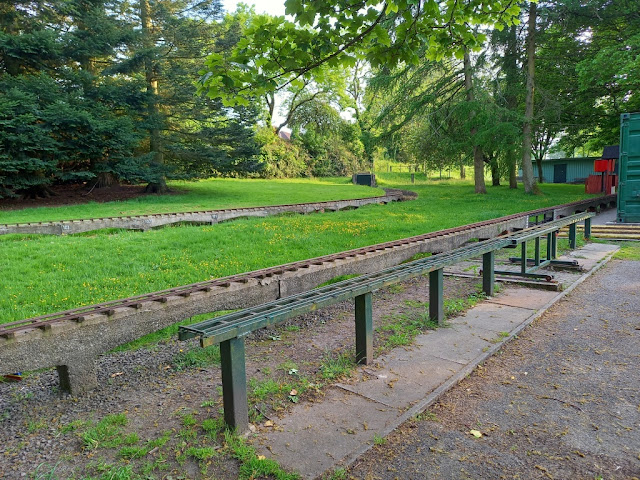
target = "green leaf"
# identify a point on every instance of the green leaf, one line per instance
(382, 36)
(391, 8)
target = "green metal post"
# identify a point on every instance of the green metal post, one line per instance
(523, 257)
(537, 257)
(549, 242)
(572, 236)
(587, 228)
(234, 384)
(554, 244)
(488, 275)
(436, 296)
(364, 329)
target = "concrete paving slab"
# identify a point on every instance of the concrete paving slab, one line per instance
(405, 378)
(449, 344)
(494, 317)
(317, 437)
(521, 297)
(314, 438)
(589, 255)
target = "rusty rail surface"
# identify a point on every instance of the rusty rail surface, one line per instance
(44, 322)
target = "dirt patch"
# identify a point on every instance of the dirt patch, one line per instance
(76, 194)
(162, 400)
(562, 401)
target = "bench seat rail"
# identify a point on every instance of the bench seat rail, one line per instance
(230, 330)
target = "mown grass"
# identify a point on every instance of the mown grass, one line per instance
(44, 274)
(628, 251)
(204, 195)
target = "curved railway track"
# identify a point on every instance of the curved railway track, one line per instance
(45, 322)
(146, 222)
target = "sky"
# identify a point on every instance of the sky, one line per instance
(272, 7)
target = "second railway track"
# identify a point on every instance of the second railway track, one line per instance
(78, 315)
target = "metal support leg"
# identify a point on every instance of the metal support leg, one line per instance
(536, 259)
(549, 242)
(587, 228)
(488, 275)
(436, 296)
(554, 244)
(364, 329)
(234, 384)
(523, 257)
(572, 236)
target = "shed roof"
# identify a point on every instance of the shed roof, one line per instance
(611, 152)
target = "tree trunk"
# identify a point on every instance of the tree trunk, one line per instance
(155, 139)
(527, 167)
(478, 158)
(106, 180)
(40, 190)
(539, 164)
(495, 173)
(513, 176)
(463, 172)
(511, 74)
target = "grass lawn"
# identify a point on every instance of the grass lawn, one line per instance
(204, 195)
(45, 274)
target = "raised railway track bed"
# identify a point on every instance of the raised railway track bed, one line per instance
(71, 340)
(146, 222)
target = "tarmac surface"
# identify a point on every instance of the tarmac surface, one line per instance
(319, 438)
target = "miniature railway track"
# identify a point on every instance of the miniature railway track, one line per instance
(146, 222)
(45, 322)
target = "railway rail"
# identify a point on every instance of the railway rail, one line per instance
(78, 315)
(146, 222)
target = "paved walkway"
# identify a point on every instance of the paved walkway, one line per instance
(561, 402)
(320, 437)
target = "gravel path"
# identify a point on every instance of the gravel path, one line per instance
(37, 432)
(562, 401)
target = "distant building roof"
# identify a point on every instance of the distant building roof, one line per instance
(285, 135)
(568, 159)
(611, 152)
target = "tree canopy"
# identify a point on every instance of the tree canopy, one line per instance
(107, 91)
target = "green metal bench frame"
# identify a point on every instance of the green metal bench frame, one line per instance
(550, 231)
(231, 329)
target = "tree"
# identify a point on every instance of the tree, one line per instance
(70, 123)
(277, 53)
(600, 44)
(527, 169)
(332, 143)
(103, 91)
(478, 157)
